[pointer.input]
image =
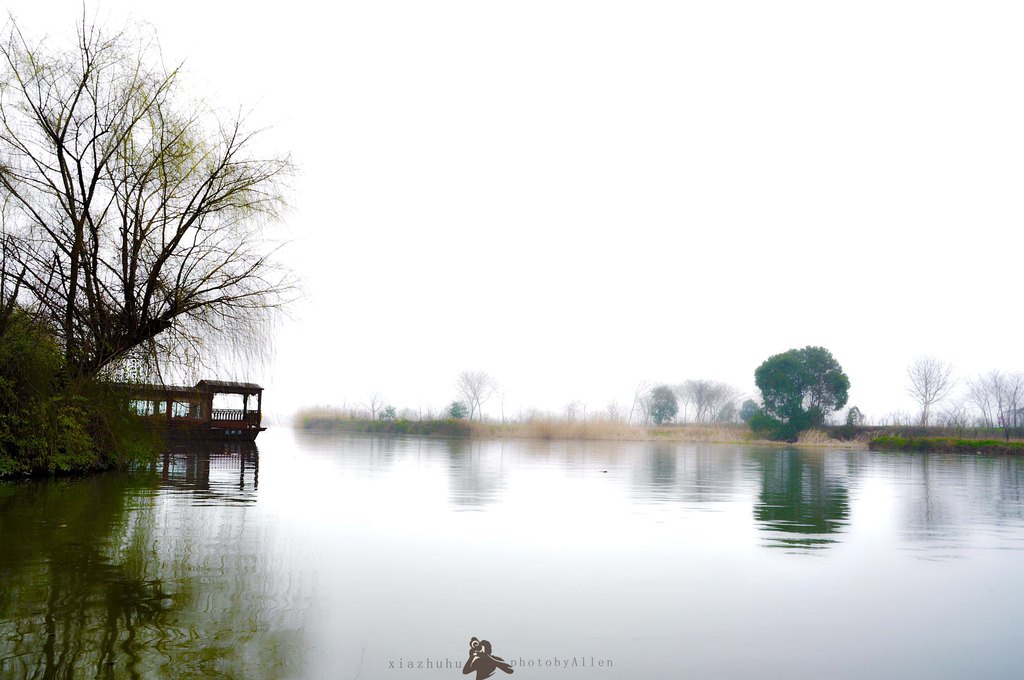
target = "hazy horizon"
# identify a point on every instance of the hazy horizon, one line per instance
(576, 197)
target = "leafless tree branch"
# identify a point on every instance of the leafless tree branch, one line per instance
(136, 219)
(929, 382)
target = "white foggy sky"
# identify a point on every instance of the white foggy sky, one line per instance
(576, 196)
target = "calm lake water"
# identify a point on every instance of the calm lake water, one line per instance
(347, 556)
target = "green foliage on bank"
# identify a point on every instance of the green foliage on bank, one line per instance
(50, 424)
(766, 427)
(449, 427)
(946, 445)
(458, 411)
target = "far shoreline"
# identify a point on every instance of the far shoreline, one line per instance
(561, 430)
(980, 441)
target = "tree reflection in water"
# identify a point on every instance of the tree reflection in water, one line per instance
(66, 609)
(475, 480)
(803, 500)
(96, 584)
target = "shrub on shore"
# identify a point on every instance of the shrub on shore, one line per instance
(49, 424)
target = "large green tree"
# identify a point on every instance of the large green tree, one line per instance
(801, 387)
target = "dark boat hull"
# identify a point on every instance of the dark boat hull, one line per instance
(244, 434)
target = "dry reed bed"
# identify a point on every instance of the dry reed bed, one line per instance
(709, 433)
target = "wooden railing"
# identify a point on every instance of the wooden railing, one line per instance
(236, 414)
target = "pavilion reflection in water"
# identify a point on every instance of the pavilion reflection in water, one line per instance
(225, 471)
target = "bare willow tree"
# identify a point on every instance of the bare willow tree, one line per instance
(639, 408)
(575, 410)
(475, 388)
(135, 218)
(1010, 402)
(930, 380)
(980, 396)
(998, 398)
(709, 400)
(375, 404)
(10, 279)
(956, 415)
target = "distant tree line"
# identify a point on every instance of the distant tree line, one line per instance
(691, 401)
(799, 389)
(989, 400)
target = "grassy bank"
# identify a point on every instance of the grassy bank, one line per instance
(946, 445)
